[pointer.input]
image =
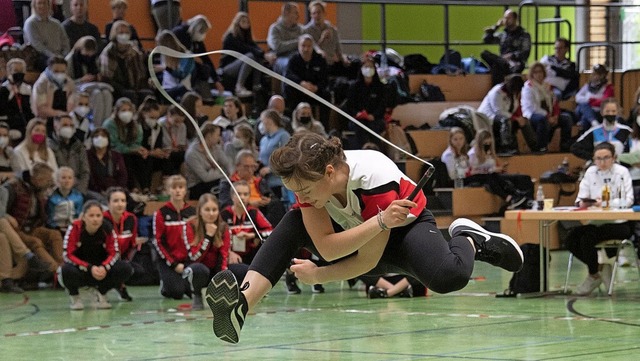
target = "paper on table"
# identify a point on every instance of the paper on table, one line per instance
(630, 158)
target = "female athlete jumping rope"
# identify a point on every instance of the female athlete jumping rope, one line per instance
(354, 214)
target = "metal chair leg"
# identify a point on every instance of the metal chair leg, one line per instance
(566, 281)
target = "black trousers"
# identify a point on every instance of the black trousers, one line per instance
(72, 278)
(418, 250)
(174, 285)
(581, 241)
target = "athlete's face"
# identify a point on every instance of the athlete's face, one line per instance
(316, 193)
(117, 203)
(92, 218)
(209, 212)
(177, 193)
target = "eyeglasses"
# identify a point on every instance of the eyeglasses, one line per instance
(602, 159)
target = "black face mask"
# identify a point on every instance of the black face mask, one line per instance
(17, 78)
(610, 118)
(486, 147)
(305, 120)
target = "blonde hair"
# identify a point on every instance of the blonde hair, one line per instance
(31, 147)
(175, 181)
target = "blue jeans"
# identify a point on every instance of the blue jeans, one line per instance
(586, 114)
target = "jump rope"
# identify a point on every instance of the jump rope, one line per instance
(163, 50)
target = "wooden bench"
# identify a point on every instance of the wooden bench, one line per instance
(470, 87)
(418, 114)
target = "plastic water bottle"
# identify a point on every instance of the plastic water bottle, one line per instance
(461, 171)
(472, 65)
(565, 165)
(540, 198)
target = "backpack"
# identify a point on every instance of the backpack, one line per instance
(417, 64)
(461, 116)
(528, 279)
(450, 63)
(398, 136)
(431, 93)
(400, 83)
(472, 65)
(439, 179)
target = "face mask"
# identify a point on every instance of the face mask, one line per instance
(237, 143)
(125, 116)
(60, 77)
(305, 120)
(486, 147)
(262, 129)
(610, 119)
(38, 138)
(100, 142)
(81, 110)
(151, 122)
(66, 132)
(17, 78)
(123, 38)
(4, 141)
(368, 71)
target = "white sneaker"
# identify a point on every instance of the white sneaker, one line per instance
(76, 303)
(606, 274)
(242, 92)
(101, 302)
(624, 261)
(588, 285)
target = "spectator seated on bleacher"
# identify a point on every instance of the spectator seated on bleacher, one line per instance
(174, 138)
(83, 119)
(283, 35)
(107, 166)
(611, 130)
(202, 174)
(6, 151)
(119, 12)
(53, 92)
(177, 72)
(45, 33)
(65, 202)
(591, 96)
(303, 120)
(192, 34)
(561, 72)
(70, 151)
(33, 149)
(515, 46)
(122, 65)
(238, 38)
(486, 171)
(367, 101)
(540, 106)
(243, 139)
(502, 105)
(152, 134)
(232, 116)
(82, 67)
(15, 100)
(78, 26)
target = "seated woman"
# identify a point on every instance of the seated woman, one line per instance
(514, 189)
(107, 167)
(192, 103)
(232, 116)
(456, 157)
(243, 139)
(33, 149)
(122, 65)
(176, 72)
(581, 241)
(45, 33)
(591, 96)
(202, 174)
(502, 106)
(540, 106)
(152, 134)
(15, 100)
(53, 92)
(125, 137)
(174, 138)
(367, 101)
(91, 258)
(302, 120)
(119, 12)
(238, 38)
(82, 67)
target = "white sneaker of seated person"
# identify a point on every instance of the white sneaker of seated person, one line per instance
(589, 284)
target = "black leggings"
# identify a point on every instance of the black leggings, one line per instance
(582, 240)
(72, 278)
(173, 285)
(418, 250)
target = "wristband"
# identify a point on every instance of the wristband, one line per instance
(380, 222)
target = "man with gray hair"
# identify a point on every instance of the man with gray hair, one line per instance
(283, 36)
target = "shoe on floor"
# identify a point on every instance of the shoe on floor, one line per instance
(228, 305)
(494, 248)
(196, 303)
(317, 288)
(101, 301)
(76, 303)
(124, 294)
(406, 293)
(292, 285)
(588, 285)
(8, 286)
(375, 292)
(606, 274)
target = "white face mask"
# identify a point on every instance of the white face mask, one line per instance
(151, 122)
(123, 38)
(66, 132)
(100, 142)
(638, 119)
(262, 129)
(125, 116)
(367, 71)
(82, 110)
(60, 77)
(237, 142)
(4, 141)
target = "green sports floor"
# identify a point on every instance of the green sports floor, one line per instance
(340, 324)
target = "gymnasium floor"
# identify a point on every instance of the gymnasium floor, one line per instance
(340, 324)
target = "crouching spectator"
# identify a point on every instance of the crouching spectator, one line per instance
(92, 258)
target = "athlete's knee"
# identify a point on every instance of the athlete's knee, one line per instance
(450, 281)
